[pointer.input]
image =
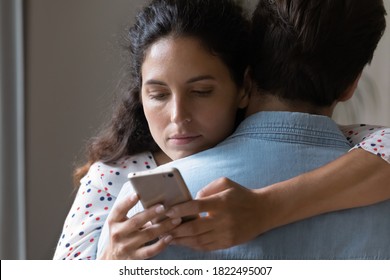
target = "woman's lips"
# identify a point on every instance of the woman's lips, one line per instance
(183, 139)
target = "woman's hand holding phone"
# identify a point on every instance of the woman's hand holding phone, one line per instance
(130, 238)
(165, 186)
(228, 217)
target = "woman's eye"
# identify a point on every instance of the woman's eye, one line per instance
(203, 92)
(158, 96)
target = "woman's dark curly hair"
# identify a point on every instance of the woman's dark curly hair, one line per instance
(221, 27)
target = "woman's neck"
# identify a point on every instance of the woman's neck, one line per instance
(161, 158)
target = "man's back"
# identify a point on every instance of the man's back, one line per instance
(274, 146)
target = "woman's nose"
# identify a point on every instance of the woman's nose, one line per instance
(181, 110)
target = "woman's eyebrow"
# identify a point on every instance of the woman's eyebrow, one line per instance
(192, 80)
(200, 78)
(155, 82)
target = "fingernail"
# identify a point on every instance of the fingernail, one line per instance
(133, 196)
(168, 239)
(160, 209)
(176, 221)
(148, 224)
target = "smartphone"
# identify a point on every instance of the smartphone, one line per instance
(165, 186)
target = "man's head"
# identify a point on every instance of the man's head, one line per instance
(314, 50)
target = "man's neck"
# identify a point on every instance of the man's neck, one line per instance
(260, 103)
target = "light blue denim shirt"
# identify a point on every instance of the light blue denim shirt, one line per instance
(269, 147)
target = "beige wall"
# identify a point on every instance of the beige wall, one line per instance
(72, 66)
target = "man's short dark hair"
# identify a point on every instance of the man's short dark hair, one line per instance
(312, 50)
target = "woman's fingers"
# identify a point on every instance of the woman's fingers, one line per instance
(119, 212)
(214, 187)
(203, 242)
(229, 211)
(154, 231)
(208, 197)
(140, 219)
(147, 252)
(193, 228)
(134, 238)
(138, 239)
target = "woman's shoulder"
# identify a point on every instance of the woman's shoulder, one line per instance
(102, 174)
(141, 161)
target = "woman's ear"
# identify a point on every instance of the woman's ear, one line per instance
(245, 91)
(348, 93)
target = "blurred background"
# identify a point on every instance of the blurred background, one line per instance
(59, 67)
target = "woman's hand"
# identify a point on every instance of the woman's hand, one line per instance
(130, 237)
(231, 217)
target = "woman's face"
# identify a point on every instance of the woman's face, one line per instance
(189, 97)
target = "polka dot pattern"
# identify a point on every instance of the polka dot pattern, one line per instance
(373, 139)
(94, 199)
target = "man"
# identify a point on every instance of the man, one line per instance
(308, 56)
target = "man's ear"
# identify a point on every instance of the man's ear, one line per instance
(348, 93)
(245, 92)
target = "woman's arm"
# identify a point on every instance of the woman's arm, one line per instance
(356, 179)
(237, 215)
(86, 217)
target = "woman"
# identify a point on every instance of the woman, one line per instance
(167, 37)
(182, 31)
